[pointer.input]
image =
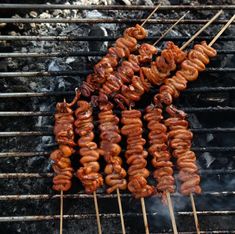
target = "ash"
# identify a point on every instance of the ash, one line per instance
(159, 220)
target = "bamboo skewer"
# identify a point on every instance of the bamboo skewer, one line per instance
(97, 213)
(195, 213)
(150, 15)
(61, 211)
(222, 30)
(121, 212)
(144, 215)
(171, 210)
(169, 29)
(202, 29)
(146, 226)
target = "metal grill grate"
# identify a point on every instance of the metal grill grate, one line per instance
(44, 201)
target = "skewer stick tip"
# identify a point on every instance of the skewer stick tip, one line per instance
(202, 29)
(97, 213)
(144, 215)
(222, 30)
(121, 212)
(155, 9)
(169, 29)
(172, 215)
(195, 213)
(61, 211)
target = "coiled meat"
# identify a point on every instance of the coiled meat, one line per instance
(135, 154)
(64, 135)
(159, 70)
(109, 147)
(180, 140)
(122, 48)
(164, 64)
(197, 58)
(127, 69)
(89, 172)
(163, 172)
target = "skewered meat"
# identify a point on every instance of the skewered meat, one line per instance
(64, 135)
(122, 48)
(135, 154)
(159, 70)
(127, 69)
(158, 149)
(89, 173)
(197, 58)
(109, 147)
(180, 140)
(164, 64)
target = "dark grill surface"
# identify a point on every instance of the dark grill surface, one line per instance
(42, 60)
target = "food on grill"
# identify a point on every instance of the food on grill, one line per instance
(196, 60)
(135, 154)
(180, 140)
(164, 64)
(158, 148)
(123, 47)
(155, 75)
(64, 135)
(127, 69)
(89, 173)
(109, 147)
(131, 93)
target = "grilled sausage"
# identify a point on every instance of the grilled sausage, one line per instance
(89, 173)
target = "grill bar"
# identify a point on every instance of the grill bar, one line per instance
(107, 216)
(50, 133)
(115, 7)
(105, 38)
(106, 20)
(102, 196)
(47, 113)
(33, 154)
(23, 154)
(73, 54)
(86, 72)
(25, 175)
(45, 94)
(49, 175)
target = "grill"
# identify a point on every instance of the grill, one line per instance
(34, 76)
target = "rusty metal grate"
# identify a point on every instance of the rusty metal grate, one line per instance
(222, 194)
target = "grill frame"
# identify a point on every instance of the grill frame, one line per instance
(7, 134)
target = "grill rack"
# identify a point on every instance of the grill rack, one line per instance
(6, 134)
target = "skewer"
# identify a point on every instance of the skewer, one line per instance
(144, 215)
(172, 215)
(146, 226)
(61, 211)
(97, 213)
(202, 29)
(169, 29)
(222, 30)
(150, 15)
(61, 204)
(121, 213)
(195, 214)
